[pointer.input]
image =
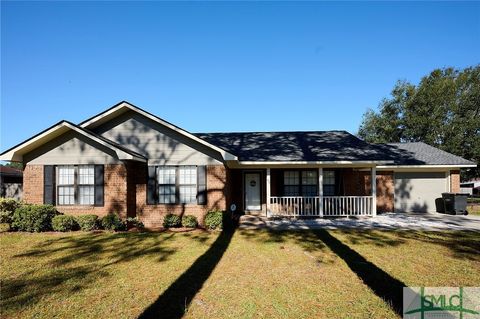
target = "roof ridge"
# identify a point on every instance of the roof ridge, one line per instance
(265, 132)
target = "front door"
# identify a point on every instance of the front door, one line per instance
(252, 191)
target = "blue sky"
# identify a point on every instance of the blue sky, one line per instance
(222, 66)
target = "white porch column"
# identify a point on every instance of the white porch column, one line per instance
(320, 190)
(374, 191)
(268, 186)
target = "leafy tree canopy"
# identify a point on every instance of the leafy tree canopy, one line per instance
(14, 165)
(443, 110)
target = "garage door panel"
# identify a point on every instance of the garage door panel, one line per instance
(416, 192)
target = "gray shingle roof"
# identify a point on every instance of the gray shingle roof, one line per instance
(420, 153)
(326, 146)
(295, 146)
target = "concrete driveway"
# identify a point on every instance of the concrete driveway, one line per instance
(424, 221)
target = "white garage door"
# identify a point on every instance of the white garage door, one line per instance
(416, 192)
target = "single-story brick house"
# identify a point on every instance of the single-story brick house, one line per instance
(132, 162)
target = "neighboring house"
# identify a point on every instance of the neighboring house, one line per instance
(11, 180)
(471, 187)
(129, 161)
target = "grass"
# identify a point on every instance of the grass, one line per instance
(473, 209)
(246, 274)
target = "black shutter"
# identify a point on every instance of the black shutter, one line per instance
(152, 195)
(202, 185)
(49, 184)
(99, 185)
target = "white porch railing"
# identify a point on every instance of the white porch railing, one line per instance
(332, 206)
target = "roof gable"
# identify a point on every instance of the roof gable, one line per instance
(16, 153)
(124, 107)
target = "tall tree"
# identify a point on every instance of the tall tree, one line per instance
(443, 110)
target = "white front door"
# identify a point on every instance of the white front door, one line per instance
(252, 191)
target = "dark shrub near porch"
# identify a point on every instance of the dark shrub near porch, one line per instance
(214, 220)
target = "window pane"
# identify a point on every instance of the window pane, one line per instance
(329, 177)
(166, 175)
(66, 175)
(187, 175)
(86, 175)
(188, 194)
(66, 195)
(309, 178)
(85, 195)
(329, 190)
(309, 190)
(166, 194)
(291, 178)
(292, 190)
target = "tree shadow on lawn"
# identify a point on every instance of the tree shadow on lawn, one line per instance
(388, 288)
(382, 284)
(174, 301)
(77, 261)
(461, 244)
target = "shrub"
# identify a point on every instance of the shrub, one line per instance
(6, 217)
(7, 208)
(87, 222)
(113, 222)
(189, 221)
(9, 205)
(171, 220)
(214, 219)
(134, 222)
(64, 223)
(34, 218)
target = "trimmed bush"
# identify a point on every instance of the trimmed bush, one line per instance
(7, 208)
(189, 221)
(214, 219)
(34, 218)
(6, 217)
(112, 222)
(134, 222)
(64, 223)
(171, 220)
(9, 205)
(87, 222)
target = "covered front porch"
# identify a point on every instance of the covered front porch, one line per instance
(308, 192)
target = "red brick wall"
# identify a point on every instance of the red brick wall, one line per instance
(115, 191)
(455, 181)
(385, 192)
(33, 184)
(358, 183)
(152, 215)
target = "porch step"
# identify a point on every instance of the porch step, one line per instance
(252, 221)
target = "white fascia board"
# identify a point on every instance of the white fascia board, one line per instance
(391, 167)
(281, 164)
(226, 155)
(14, 156)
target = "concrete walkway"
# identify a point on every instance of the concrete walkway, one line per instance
(430, 221)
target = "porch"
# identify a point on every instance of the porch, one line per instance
(309, 192)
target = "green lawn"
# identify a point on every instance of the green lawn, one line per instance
(247, 274)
